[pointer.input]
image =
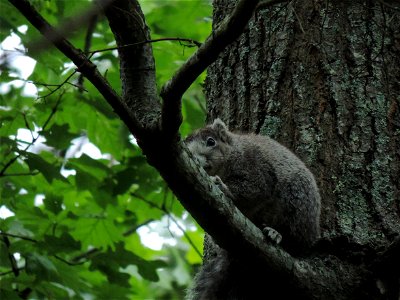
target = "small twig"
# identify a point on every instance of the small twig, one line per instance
(164, 210)
(49, 85)
(14, 159)
(11, 258)
(135, 228)
(88, 44)
(11, 271)
(85, 254)
(8, 164)
(13, 265)
(73, 263)
(53, 112)
(21, 174)
(18, 236)
(35, 241)
(197, 44)
(59, 86)
(22, 142)
(27, 125)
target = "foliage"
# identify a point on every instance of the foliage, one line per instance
(74, 183)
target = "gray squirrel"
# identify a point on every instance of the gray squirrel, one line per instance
(271, 186)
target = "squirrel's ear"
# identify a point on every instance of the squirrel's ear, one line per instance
(218, 125)
(221, 130)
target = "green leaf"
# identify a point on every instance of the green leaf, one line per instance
(5, 141)
(65, 243)
(113, 291)
(85, 181)
(53, 203)
(94, 206)
(58, 136)
(111, 262)
(49, 171)
(148, 269)
(48, 290)
(73, 277)
(145, 176)
(103, 133)
(4, 258)
(16, 227)
(32, 218)
(41, 266)
(124, 180)
(96, 168)
(9, 19)
(96, 232)
(8, 293)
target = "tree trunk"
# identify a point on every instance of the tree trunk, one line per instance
(323, 78)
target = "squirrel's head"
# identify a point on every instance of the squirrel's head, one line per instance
(211, 145)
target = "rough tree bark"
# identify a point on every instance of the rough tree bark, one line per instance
(320, 77)
(323, 78)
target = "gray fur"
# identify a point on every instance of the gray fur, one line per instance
(268, 183)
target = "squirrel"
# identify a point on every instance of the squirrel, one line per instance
(270, 185)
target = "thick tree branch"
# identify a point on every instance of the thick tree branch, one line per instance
(231, 230)
(171, 158)
(198, 194)
(137, 65)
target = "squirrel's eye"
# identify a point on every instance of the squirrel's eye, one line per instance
(210, 142)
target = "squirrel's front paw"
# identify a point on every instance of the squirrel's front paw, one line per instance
(272, 235)
(218, 181)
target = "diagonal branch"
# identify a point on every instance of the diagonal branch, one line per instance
(137, 66)
(67, 27)
(231, 230)
(190, 43)
(227, 32)
(85, 66)
(88, 44)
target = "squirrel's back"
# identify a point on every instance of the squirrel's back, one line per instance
(268, 183)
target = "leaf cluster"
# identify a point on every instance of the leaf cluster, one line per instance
(73, 182)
